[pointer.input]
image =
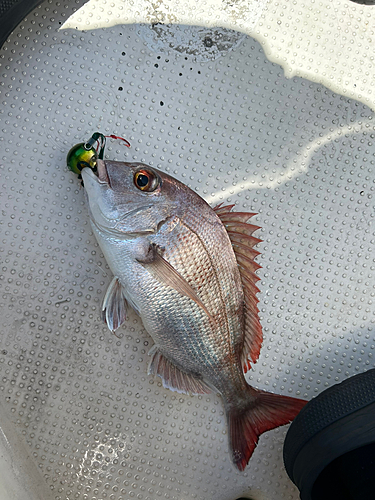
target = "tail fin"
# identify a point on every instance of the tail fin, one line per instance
(265, 413)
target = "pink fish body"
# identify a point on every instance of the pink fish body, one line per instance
(188, 270)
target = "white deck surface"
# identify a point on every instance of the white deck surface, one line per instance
(207, 106)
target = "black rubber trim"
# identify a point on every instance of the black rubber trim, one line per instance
(12, 12)
(349, 477)
(338, 420)
(350, 433)
(364, 2)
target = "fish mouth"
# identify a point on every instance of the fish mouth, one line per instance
(102, 172)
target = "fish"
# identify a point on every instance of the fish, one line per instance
(189, 272)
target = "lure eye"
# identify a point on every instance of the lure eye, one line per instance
(146, 180)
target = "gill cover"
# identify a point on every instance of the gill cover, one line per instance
(126, 198)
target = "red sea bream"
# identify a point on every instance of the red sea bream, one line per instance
(189, 272)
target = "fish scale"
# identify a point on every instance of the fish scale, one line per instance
(173, 261)
(208, 280)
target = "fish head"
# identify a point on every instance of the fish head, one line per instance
(129, 198)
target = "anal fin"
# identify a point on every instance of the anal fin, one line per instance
(172, 377)
(114, 305)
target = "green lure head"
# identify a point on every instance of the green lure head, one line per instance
(85, 154)
(81, 156)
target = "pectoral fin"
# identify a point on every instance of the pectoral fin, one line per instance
(165, 273)
(114, 305)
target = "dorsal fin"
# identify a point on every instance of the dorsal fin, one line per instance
(220, 209)
(241, 235)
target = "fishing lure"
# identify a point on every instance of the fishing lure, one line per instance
(85, 154)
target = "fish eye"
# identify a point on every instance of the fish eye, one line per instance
(146, 180)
